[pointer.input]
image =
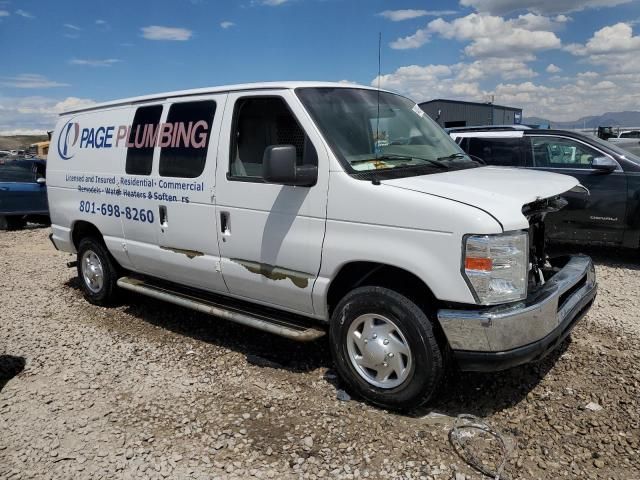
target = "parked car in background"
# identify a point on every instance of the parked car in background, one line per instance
(626, 138)
(629, 134)
(609, 214)
(23, 194)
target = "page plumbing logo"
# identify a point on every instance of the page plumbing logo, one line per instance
(68, 138)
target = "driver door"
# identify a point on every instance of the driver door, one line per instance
(270, 235)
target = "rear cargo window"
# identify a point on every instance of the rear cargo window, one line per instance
(190, 123)
(140, 160)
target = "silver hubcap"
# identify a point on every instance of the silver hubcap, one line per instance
(92, 271)
(379, 351)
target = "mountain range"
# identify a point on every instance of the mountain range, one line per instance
(609, 119)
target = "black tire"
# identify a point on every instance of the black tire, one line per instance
(427, 364)
(12, 222)
(108, 292)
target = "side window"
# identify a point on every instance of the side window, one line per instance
(186, 154)
(22, 172)
(556, 152)
(145, 124)
(504, 152)
(258, 123)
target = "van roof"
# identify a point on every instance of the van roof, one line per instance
(220, 89)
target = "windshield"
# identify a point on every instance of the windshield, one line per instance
(371, 130)
(628, 154)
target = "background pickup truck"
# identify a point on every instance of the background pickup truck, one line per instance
(23, 194)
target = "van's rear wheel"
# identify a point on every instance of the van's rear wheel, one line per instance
(385, 349)
(97, 272)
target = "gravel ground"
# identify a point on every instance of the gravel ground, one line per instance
(149, 390)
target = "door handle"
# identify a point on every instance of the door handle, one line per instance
(225, 224)
(162, 211)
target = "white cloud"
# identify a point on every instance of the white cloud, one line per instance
(4, 13)
(551, 68)
(35, 114)
(226, 24)
(567, 98)
(30, 80)
(72, 27)
(492, 36)
(504, 68)
(107, 62)
(613, 47)
(614, 39)
(273, 3)
(72, 103)
(24, 14)
(412, 41)
(531, 21)
(101, 22)
(501, 7)
(408, 14)
(157, 32)
(461, 80)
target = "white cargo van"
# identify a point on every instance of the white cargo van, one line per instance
(302, 208)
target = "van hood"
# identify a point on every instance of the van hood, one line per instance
(501, 192)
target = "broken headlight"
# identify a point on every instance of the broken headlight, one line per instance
(495, 266)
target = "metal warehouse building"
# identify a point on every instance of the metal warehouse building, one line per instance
(456, 113)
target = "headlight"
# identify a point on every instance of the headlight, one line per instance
(496, 266)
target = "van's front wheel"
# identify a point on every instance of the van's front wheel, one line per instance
(97, 272)
(385, 349)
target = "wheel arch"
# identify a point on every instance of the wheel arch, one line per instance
(370, 273)
(82, 229)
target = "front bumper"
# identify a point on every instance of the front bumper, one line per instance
(504, 336)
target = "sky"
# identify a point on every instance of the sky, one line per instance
(556, 59)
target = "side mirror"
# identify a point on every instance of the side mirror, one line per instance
(41, 181)
(604, 164)
(279, 166)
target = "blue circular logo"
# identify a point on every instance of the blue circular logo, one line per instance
(68, 137)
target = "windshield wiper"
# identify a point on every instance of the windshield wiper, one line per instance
(391, 156)
(473, 158)
(452, 156)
